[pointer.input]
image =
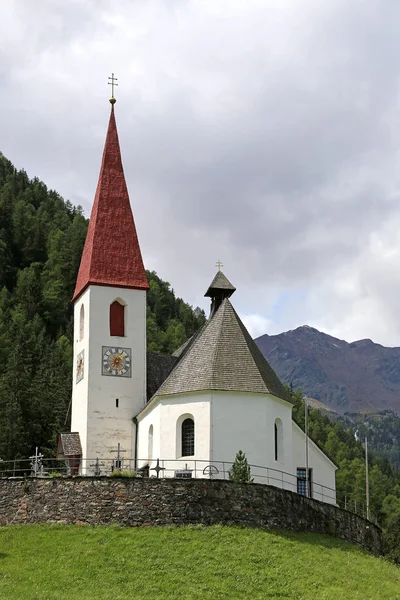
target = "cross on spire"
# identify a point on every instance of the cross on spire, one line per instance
(113, 84)
(219, 265)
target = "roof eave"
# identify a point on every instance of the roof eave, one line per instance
(143, 287)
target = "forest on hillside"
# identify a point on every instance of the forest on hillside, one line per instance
(41, 241)
(382, 428)
(340, 445)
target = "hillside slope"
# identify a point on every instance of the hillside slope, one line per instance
(41, 242)
(99, 563)
(347, 377)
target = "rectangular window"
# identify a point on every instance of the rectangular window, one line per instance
(302, 481)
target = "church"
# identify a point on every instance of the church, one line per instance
(185, 415)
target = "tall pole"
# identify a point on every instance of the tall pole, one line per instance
(366, 477)
(306, 432)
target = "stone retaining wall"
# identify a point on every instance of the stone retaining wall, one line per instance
(135, 502)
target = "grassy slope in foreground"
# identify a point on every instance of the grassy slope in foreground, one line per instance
(85, 563)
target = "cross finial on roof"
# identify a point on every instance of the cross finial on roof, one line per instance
(113, 84)
(219, 265)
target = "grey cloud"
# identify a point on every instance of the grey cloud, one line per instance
(259, 133)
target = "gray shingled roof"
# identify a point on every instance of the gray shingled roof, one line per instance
(223, 357)
(220, 282)
(180, 353)
(185, 346)
(69, 444)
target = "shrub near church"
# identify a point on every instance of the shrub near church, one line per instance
(240, 471)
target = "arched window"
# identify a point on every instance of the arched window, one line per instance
(82, 322)
(278, 440)
(150, 447)
(117, 319)
(188, 437)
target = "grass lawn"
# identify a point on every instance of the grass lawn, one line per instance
(99, 563)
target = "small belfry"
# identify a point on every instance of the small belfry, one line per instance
(109, 382)
(219, 289)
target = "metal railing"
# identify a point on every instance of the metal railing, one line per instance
(39, 466)
(183, 468)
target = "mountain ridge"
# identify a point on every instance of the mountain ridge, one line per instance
(346, 376)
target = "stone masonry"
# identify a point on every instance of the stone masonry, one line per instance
(151, 502)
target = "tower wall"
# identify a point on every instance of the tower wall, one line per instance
(95, 414)
(80, 389)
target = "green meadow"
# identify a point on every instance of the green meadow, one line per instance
(112, 563)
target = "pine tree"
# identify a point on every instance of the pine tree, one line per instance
(240, 471)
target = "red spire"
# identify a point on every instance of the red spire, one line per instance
(111, 255)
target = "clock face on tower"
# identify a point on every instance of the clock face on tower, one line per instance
(116, 361)
(80, 364)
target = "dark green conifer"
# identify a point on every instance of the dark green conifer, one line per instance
(240, 471)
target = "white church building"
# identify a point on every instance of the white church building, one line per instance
(185, 415)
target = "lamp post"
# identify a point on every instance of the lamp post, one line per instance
(306, 432)
(366, 477)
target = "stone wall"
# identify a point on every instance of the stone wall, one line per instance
(134, 502)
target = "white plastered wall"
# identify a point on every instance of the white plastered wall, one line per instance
(151, 418)
(166, 415)
(100, 423)
(244, 421)
(80, 390)
(225, 422)
(323, 470)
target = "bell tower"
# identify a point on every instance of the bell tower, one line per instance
(219, 289)
(109, 378)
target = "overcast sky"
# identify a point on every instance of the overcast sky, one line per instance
(264, 133)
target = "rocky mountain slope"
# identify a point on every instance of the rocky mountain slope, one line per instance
(344, 376)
